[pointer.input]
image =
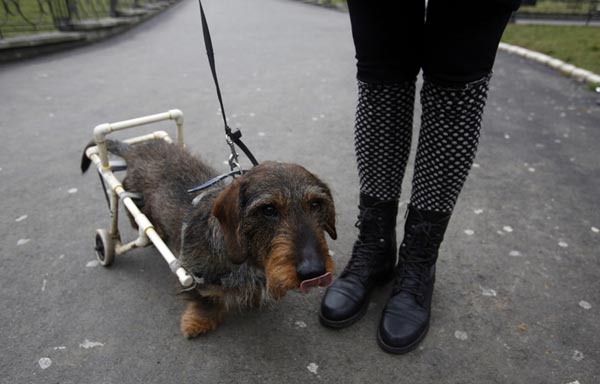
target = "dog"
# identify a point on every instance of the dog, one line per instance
(247, 243)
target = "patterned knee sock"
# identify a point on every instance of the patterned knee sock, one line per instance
(382, 135)
(448, 140)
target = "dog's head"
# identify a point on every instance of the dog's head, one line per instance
(275, 216)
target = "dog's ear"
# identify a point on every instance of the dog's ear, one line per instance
(227, 210)
(329, 207)
(330, 221)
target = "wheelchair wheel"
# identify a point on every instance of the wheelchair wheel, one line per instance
(104, 247)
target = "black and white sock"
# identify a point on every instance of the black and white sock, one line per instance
(448, 140)
(382, 136)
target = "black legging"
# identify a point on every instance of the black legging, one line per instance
(455, 44)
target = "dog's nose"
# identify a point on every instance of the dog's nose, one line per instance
(310, 267)
(308, 270)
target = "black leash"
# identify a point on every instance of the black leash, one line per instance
(232, 137)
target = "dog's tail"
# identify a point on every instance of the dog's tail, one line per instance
(113, 146)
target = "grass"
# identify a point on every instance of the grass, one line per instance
(577, 45)
(13, 22)
(572, 7)
(35, 15)
(329, 3)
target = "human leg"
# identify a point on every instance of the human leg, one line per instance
(387, 37)
(388, 56)
(463, 38)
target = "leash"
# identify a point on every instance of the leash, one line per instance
(232, 138)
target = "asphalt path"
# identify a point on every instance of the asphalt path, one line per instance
(516, 297)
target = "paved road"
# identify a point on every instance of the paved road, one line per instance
(517, 295)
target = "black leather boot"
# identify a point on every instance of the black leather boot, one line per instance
(405, 319)
(371, 264)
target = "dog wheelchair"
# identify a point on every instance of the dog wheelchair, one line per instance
(108, 242)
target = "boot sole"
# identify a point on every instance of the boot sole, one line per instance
(339, 324)
(403, 349)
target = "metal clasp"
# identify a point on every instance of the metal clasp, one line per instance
(233, 160)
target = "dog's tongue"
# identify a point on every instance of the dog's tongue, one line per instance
(319, 281)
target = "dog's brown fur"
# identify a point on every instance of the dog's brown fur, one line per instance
(247, 240)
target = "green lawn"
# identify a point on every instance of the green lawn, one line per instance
(572, 7)
(18, 17)
(576, 45)
(25, 16)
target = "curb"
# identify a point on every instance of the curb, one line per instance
(561, 66)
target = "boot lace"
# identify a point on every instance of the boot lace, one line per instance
(370, 240)
(418, 253)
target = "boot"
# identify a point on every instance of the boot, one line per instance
(371, 264)
(405, 319)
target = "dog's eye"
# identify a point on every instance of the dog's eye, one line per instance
(315, 205)
(269, 210)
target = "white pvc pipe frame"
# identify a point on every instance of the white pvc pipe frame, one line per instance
(99, 156)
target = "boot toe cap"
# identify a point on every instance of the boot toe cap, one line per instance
(343, 301)
(402, 327)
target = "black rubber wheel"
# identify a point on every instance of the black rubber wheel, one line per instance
(104, 247)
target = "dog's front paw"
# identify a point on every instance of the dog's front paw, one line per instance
(196, 321)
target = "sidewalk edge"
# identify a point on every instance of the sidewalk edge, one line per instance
(559, 65)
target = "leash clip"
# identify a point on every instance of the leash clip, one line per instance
(234, 163)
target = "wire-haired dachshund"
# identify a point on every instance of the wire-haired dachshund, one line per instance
(247, 242)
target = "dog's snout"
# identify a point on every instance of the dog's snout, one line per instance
(307, 270)
(310, 265)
